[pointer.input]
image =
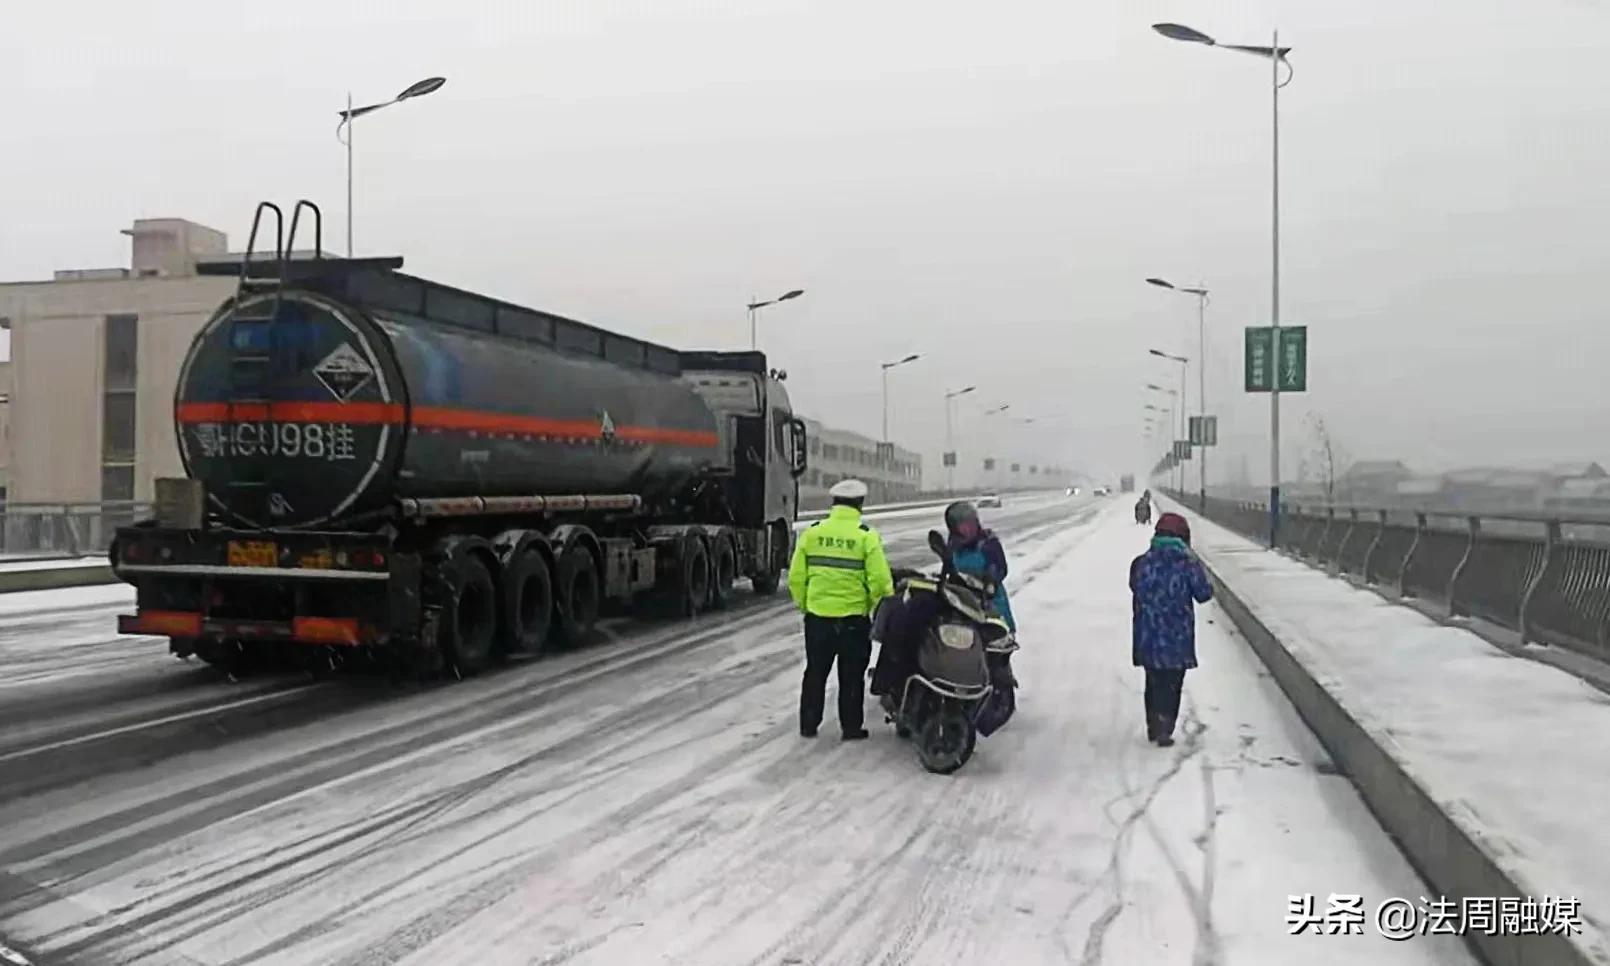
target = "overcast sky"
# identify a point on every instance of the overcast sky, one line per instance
(985, 183)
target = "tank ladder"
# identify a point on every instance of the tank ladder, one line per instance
(251, 348)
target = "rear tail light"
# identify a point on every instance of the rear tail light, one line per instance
(162, 623)
(325, 630)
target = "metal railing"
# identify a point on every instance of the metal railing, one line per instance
(45, 530)
(1544, 576)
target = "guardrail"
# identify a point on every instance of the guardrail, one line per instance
(806, 515)
(1546, 577)
(52, 530)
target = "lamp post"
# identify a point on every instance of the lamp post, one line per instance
(755, 306)
(1277, 57)
(950, 446)
(416, 89)
(1184, 407)
(995, 412)
(886, 367)
(1201, 293)
(1166, 413)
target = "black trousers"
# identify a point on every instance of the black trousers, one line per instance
(1163, 686)
(848, 640)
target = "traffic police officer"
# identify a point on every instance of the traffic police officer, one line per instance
(837, 577)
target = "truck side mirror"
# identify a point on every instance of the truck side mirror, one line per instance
(800, 444)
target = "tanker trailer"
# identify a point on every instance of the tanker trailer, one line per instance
(378, 463)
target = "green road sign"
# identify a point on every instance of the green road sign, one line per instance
(1259, 358)
(1204, 430)
(1261, 362)
(1294, 358)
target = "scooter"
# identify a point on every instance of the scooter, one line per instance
(962, 685)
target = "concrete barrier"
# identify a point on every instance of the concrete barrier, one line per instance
(1443, 854)
(55, 578)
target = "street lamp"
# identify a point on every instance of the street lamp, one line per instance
(1201, 294)
(1166, 414)
(950, 450)
(416, 89)
(755, 306)
(886, 367)
(995, 412)
(1277, 57)
(1183, 405)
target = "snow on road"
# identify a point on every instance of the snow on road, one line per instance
(659, 806)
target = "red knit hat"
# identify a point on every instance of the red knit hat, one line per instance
(1173, 525)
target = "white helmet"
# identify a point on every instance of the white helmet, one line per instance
(850, 489)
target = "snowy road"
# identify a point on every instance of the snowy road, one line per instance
(649, 800)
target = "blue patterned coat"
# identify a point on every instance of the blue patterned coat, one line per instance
(1166, 585)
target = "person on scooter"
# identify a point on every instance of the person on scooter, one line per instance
(978, 553)
(1167, 582)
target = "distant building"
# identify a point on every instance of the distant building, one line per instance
(890, 472)
(95, 355)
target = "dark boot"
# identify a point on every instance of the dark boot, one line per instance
(1165, 732)
(1154, 726)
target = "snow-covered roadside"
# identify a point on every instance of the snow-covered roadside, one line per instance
(1510, 749)
(671, 814)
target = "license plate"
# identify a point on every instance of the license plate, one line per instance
(253, 553)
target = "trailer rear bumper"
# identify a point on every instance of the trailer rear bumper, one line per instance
(342, 589)
(187, 625)
(220, 570)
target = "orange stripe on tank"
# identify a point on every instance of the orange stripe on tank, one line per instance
(361, 413)
(433, 417)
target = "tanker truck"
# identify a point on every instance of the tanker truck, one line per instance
(378, 464)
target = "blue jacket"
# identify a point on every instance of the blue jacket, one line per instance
(1166, 585)
(984, 557)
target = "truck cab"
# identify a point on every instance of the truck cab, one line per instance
(763, 441)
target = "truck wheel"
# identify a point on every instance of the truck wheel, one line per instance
(723, 571)
(695, 576)
(469, 614)
(767, 580)
(577, 600)
(527, 603)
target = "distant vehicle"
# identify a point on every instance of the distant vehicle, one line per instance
(1102, 491)
(989, 500)
(1072, 491)
(1126, 483)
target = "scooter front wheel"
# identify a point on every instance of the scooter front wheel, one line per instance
(946, 738)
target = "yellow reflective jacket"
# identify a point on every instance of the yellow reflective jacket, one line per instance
(839, 569)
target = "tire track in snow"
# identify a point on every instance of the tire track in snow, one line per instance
(388, 830)
(1113, 874)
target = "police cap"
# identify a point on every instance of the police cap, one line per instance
(851, 489)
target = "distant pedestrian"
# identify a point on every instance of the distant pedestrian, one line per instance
(837, 577)
(1166, 583)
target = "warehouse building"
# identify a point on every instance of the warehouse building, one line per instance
(890, 473)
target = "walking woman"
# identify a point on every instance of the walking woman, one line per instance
(1166, 583)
